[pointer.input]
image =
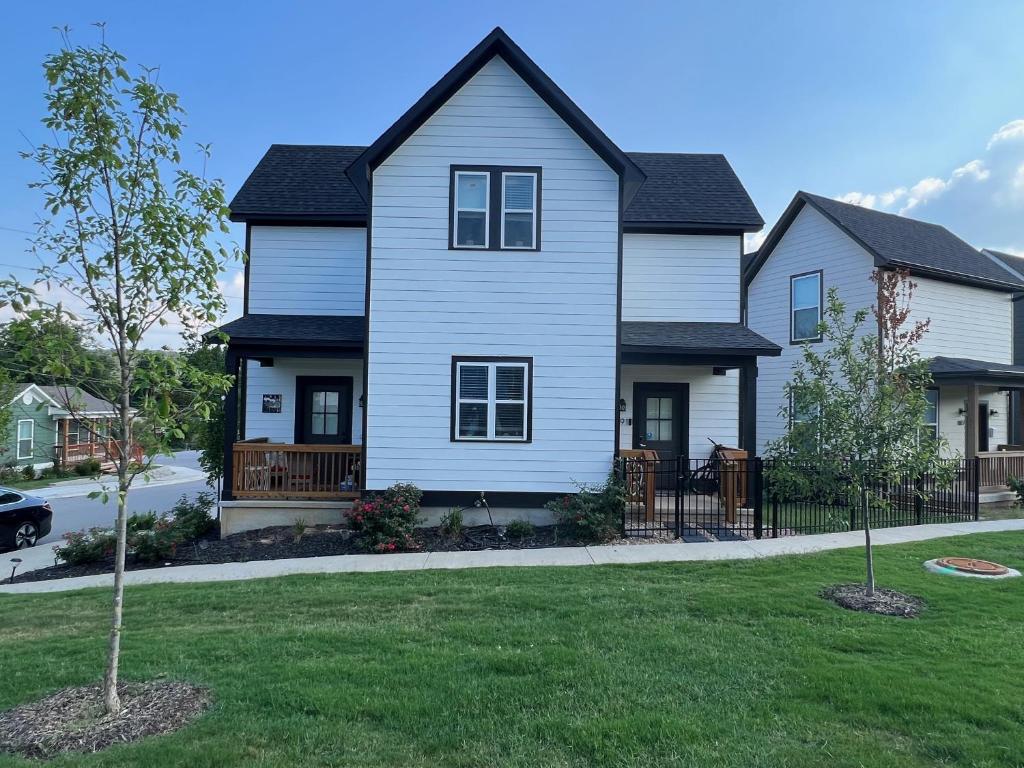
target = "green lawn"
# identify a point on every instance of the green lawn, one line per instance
(731, 664)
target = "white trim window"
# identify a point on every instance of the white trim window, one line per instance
(471, 218)
(518, 210)
(805, 307)
(491, 400)
(930, 423)
(26, 438)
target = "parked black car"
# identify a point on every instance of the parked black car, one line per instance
(24, 519)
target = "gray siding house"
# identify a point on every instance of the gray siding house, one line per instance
(490, 298)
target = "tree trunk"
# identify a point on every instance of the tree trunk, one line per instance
(868, 554)
(111, 701)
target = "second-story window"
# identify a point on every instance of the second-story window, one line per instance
(495, 208)
(805, 307)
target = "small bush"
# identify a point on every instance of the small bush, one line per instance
(1016, 485)
(158, 542)
(28, 472)
(88, 467)
(144, 521)
(387, 520)
(193, 519)
(595, 512)
(299, 529)
(81, 547)
(451, 523)
(519, 529)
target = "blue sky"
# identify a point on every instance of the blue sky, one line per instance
(896, 105)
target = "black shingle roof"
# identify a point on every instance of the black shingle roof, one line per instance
(285, 330)
(968, 369)
(309, 181)
(692, 337)
(1013, 263)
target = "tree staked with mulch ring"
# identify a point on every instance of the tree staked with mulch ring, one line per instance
(74, 719)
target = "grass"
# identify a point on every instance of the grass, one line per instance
(727, 664)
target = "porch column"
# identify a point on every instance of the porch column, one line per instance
(748, 409)
(971, 422)
(230, 422)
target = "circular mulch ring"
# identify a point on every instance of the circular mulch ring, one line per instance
(72, 719)
(885, 602)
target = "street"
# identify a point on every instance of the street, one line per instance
(78, 512)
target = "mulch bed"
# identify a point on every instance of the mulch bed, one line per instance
(72, 719)
(317, 541)
(885, 602)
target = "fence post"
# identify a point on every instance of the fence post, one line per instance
(679, 492)
(918, 499)
(758, 486)
(619, 467)
(977, 487)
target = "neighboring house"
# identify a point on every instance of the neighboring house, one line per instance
(56, 424)
(492, 297)
(966, 295)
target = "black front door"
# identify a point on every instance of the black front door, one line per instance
(983, 426)
(323, 410)
(660, 424)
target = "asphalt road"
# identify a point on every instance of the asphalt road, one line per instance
(78, 512)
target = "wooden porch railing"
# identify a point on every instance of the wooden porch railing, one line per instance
(996, 466)
(104, 450)
(262, 470)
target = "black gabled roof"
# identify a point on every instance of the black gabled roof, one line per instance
(695, 338)
(897, 241)
(293, 330)
(691, 189)
(307, 182)
(1015, 264)
(497, 43)
(963, 369)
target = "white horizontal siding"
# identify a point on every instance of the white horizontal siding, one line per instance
(307, 270)
(429, 303)
(681, 278)
(951, 423)
(279, 379)
(963, 321)
(713, 408)
(811, 242)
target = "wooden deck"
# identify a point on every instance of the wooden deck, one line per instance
(264, 470)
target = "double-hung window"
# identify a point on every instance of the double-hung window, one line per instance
(930, 423)
(805, 307)
(491, 399)
(495, 208)
(26, 438)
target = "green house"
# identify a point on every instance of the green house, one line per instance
(56, 425)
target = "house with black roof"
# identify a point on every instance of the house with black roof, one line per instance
(967, 295)
(492, 297)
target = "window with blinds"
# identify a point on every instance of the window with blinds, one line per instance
(495, 208)
(491, 399)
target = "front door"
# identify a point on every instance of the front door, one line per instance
(323, 410)
(660, 424)
(983, 426)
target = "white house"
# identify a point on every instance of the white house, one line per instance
(490, 298)
(966, 294)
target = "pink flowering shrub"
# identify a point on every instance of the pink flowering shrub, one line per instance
(89, 546)
(594, 513)
(386, 521)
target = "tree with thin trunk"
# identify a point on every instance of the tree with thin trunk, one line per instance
(127, 245)
(856, 406)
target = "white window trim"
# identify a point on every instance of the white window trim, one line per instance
(31, 438)
(486, 210)
(938, 403)
(793, 306)
(533, 212)
(492, 401)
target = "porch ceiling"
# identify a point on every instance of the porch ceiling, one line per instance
(688, 342)
(962, 370)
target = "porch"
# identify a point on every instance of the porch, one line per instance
(264, 470)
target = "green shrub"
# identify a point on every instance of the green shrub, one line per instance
(594, 513)
(519, 529)
(144, 521)
(387, 520)
(1016, 485)
(88, 467)
(451, 523)
(158, 542)
(89, 546)
(28, 472)
(193, 519)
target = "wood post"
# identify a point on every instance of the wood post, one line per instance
(971, 422)
(230, 422)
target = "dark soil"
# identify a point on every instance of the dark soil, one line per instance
(72, 720)
(317, 541)
(885, 602)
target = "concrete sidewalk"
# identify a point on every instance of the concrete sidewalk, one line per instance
(163, 475)
(561, 556)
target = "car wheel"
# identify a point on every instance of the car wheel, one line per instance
(26, 535)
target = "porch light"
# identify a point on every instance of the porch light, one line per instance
(993, 412)
(622, 405)
(362, 401)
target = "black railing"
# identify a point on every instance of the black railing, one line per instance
(734, 499)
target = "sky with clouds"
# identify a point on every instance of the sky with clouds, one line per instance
(915, 107)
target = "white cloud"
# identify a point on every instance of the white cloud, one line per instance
(893, 196)
(923, 191)
(1012, 130)
(975, 169)
(753, 240)
(859, 198)
(1018, 178)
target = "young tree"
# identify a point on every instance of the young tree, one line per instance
(128, 238)
(858, 402)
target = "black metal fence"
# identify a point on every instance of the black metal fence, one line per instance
(733, 499)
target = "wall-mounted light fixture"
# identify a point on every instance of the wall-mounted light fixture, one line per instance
(993, 412)
(362, 401)
(622, 405)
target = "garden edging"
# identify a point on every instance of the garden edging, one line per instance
(553, 556)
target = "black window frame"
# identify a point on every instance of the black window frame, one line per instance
(821, 305)
(495, 205)
(491, 360)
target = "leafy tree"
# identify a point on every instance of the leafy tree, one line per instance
(209, 433)
(129, 234)
(6, 395)
(59, 349)
(861, 399)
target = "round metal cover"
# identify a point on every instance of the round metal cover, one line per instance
(977, 567)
